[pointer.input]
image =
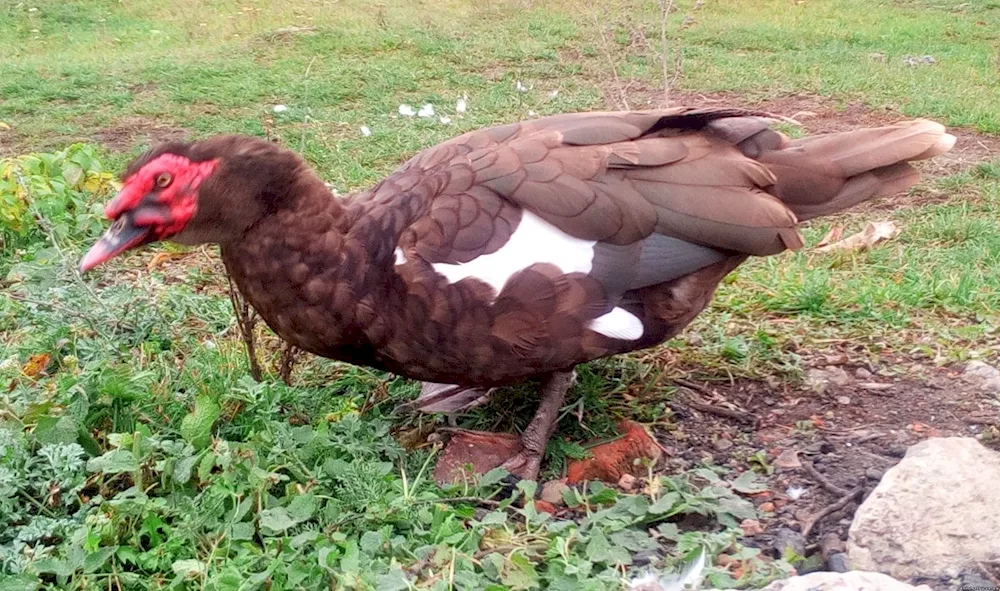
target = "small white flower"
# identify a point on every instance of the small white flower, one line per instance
(406, 110)
(554, 94)
(795, 492)
(365, 131)
(426, 111)
(445, 119)
(279, 108)
(520, 87)
(461, 105)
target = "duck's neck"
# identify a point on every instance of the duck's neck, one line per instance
(318, 269)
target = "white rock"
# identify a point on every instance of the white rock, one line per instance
(461, 105)
(406, 110)
(279, 108)
(795, 492)
(365, 131)
(934, 514)
(444, 119)
(520, 87)
(983, 375)
(849, 581)
(820, 379)
(426, 111)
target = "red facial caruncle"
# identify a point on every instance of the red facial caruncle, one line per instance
(155, 203)
(168, 180)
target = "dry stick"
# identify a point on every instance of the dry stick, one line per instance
(245, 319)
(743, 417)
(988, 573)
(815, 475)
(830, 509)
(611, 63)
(289, 356)
(665, 7)
(722, 412)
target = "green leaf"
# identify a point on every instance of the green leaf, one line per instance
(493, 565)
(521, 574)
(599, 549)
(748, 483)
(302, 507)
(72, 173)
(351, 562)
(371, 541)
(633, 540)
(62, 429)
(183, 469)
(394, 580)
(196, 428)
(665, 503)
(189, 568)
(96, 560)
(275, 521)
(241, 531)
(115, 461)
(528, 487)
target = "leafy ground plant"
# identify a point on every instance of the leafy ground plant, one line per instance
(135, 451)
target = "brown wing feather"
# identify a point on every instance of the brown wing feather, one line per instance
(715, 177)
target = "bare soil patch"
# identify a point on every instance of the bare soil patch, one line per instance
(136, 131)
(850, 434)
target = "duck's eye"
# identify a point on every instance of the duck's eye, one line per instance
(163, 180)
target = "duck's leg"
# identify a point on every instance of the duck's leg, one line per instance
(521, 456)
(527, 462)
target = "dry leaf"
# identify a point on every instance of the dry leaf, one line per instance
(162, 257)
(36, 364)
(832, 236)
(873, 233)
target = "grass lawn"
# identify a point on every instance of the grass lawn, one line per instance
(137, 453)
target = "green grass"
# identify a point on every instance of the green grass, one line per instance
(144, 457)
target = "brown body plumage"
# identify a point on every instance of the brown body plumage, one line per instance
(668, 202)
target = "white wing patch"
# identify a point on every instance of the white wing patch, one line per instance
(533, 241)
(618, 324)
(400, 256)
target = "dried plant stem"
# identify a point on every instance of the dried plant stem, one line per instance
(289, 355)
(246, 319)
(830, 509)
(611, 64)
(670, 79)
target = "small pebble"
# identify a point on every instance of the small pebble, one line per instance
(843, 400)
(838, 563)
(863, 374)
(723, 444)
(751, 527)
(767, 507)
(874, 473)
(628, 482)
(552, 492)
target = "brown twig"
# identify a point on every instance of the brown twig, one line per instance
(989, 574)
(824, 482)
(830, 509)
(611, 63)
(737, 415)
(289, 355)
(728, 413)
(246, 319)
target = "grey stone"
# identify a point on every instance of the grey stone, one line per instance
(983, 375)
(849, 581)
(932, 515)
